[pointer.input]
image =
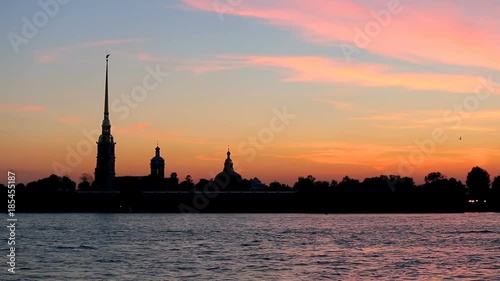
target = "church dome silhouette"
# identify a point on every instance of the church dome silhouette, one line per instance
(228, 178)
(157, 164)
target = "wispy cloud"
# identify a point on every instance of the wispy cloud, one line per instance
(312, 69)
(336, 104)
(106, 42)
(57, 53)
(381, 157)
(344, 153)
(206, 158)
(196, 66)
(473, 121)
(444, 33)
(47, 58)
(143, 125)
(21, 107)
(134, 128)
(390, 116)
(485, 129)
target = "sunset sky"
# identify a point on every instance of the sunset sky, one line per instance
(369, 87)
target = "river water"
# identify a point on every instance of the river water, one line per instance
(256, 247)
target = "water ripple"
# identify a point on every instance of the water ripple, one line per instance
(258, 247)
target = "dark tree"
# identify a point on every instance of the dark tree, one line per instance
(436, 182)
(348, 183)
(173, 181)
(433, 177)
(311, 178)
(377, 184)
(456, 185)
(334, 184)
(67, 184)
(478, 182)
(306, 183)
(495, 185)
(188, 183)
(276, 186)
(53, 183)
(84, 185)
(85, 179)
(202, 184)
(404, 184)
(322, 185)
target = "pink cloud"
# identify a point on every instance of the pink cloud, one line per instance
(205, 158)
(471, 121)
(21, 107)
(437, 32)
(197, 66)
(141, 126)
(325, 70)
(45, 58)
(144, 57)
(131, 129)
(108, 42)
(337, 104)
(430, 116)
(384, 117)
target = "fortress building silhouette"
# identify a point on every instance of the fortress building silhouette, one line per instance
(104, 174)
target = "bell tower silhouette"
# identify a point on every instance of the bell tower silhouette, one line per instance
(105, 167)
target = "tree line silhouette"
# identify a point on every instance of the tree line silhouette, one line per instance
(385, 193)
(477, 186)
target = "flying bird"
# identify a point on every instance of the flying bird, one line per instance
(107, 56)
(460, 138)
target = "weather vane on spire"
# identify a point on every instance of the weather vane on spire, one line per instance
(107, 55)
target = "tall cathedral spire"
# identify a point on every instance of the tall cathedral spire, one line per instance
(105, 167)
(106, 124)
(106, 112)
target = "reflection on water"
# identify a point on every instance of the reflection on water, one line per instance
(257, 247)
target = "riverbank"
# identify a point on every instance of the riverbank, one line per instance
(248, 202)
